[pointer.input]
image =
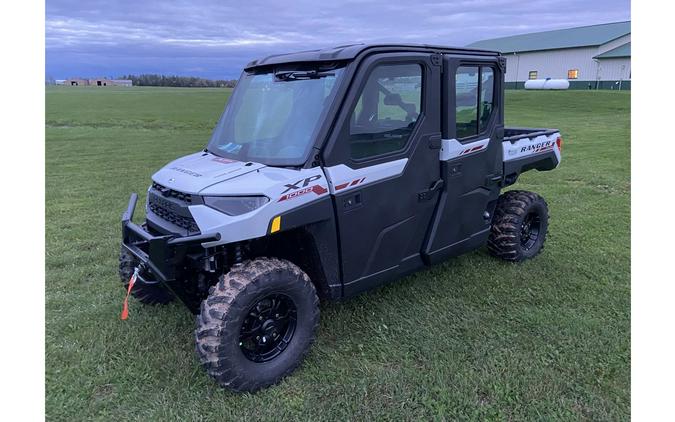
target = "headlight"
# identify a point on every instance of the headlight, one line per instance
(235, 205)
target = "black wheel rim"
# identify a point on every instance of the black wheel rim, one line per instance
(268, 328)
(529, 231)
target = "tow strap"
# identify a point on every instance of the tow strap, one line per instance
(125, 305)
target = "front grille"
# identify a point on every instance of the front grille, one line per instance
(168, 192)
(172, 206)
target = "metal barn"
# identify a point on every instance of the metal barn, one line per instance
(590, 57)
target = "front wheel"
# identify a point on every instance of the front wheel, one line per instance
(257, 324)
(519, 226)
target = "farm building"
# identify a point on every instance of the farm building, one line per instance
(590, 57)
(76, 82)
(97, 82)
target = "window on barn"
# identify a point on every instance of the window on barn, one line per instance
(573, 74)
(532, 74)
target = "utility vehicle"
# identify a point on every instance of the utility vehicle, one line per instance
(329, 173)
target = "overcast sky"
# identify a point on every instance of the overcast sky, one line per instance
(214, 39)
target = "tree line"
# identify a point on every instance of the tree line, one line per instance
(178, 81)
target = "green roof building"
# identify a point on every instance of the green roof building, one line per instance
(590, 57)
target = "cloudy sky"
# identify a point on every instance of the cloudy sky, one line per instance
(214, 39)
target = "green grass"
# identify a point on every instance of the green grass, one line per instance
(472, 338)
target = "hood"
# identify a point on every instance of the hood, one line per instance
(195, 172)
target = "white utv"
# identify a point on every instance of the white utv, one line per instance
(329, 173)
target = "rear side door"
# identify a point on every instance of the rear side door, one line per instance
(383, 169)
(471, 155)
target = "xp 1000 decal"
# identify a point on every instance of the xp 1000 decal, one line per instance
(301, 187)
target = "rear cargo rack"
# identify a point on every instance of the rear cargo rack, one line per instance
(512, 134)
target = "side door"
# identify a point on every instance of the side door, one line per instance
(471, 155)
(382, 166)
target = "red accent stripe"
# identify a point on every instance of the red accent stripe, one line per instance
(352, 183)
(476, 148)
(319, 190)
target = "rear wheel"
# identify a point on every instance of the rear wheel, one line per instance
(257, 324)
(150, 294)
(519, 226)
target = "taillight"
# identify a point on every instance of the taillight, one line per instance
(559, 143)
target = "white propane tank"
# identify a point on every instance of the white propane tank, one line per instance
(547, 83)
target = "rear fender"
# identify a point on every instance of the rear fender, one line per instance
(540, 153)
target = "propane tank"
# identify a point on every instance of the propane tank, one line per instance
(547, 83)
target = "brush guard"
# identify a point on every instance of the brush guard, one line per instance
(159, 254)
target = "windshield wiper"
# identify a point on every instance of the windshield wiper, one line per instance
(206, 149)
(292, 75)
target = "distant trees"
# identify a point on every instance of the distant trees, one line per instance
(178, 81)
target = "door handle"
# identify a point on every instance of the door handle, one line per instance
(429, 193)
(352, 201)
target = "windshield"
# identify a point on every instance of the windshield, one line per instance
(272, 118)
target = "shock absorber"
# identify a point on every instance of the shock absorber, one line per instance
(210, 261)
(238, 254)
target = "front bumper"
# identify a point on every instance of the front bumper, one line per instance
(161, 255)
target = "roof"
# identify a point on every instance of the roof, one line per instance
(615, 53)
(349, 52)
(583, 36)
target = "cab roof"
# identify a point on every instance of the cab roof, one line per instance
(351, 51)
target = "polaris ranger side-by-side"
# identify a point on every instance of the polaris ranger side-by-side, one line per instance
(329, 173)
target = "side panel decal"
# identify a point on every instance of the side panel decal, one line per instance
(317, 189)
(525, 147)
(452, 148)
(342, 178)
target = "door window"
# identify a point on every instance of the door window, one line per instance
(466, 101)
(474, 99)
(388, 108)
(487, 85)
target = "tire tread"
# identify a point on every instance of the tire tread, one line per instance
(213, 326)
(504, 239)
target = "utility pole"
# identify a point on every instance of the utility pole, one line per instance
(517, 66)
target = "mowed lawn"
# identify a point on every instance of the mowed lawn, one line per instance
(472, 338)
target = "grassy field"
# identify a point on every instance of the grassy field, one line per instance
(473, 338)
